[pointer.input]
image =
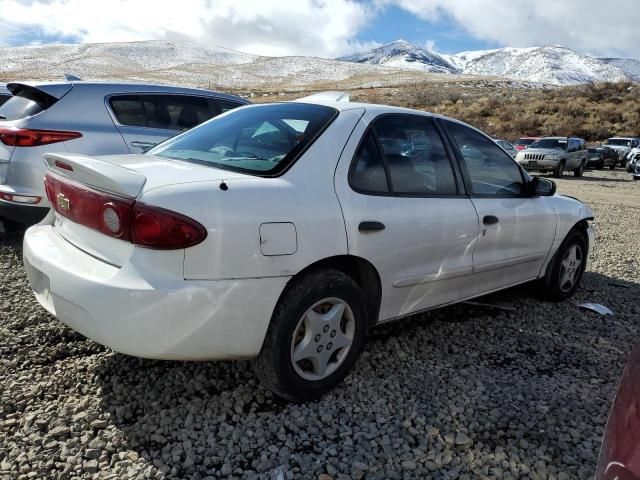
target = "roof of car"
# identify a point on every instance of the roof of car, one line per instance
(123, 87)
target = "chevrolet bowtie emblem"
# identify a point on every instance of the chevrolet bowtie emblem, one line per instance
(63, 202)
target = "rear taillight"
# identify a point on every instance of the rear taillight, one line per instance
(23, 137)
(123, 218)
(155, 227)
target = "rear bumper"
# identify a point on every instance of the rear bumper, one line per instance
(22, 213)
(136, 312)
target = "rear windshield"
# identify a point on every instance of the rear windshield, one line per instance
(25, 103)
(619, 142)
(549, 143)
(525, 141)
(260, 140)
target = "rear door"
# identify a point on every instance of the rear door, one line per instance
(516, 229)
(144, 119)
(405, 211)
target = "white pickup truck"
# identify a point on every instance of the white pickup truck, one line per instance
(623, 146)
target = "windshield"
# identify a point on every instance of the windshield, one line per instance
(618, 142)
(550, 143)
(525, 141)
(261, 139)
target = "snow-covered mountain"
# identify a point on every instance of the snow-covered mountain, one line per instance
(548, 64)
(402, 54)
(100, 59)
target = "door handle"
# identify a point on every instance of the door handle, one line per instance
(490, 220)
(370, 226)
(143, 145)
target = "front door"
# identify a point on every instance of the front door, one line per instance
(516, 229)
(405, 211)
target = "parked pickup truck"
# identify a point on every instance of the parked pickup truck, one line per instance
(555, 154)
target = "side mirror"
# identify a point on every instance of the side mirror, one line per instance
(541, 187)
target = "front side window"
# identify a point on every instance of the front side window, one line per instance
(490, 170)
(259, 139)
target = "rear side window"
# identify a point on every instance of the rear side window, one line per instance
(4, 97)
(414, 156)
(166, 112)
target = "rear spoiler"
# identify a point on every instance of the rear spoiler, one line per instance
(328, 96)
(99, 174)
(45, 94)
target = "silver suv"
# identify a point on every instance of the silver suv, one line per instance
(555, 154)
(90, 119)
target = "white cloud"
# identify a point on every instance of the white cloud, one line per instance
(286, 27)
(599, 27)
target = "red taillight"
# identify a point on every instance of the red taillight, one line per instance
(23, 137)
(162, 229)
(123, 218)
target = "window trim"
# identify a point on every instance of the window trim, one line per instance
(463, 166)
(460, 187)
(114, 118)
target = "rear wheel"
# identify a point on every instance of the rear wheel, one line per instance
(566, 268)
(316, 334)
(579, 171)
(559, 170)
(600, 165)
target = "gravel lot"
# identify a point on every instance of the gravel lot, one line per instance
(465, 392)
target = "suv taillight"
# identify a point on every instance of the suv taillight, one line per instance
(23, 137)
(123, 218)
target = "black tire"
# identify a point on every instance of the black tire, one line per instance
(579, 171)
(550, 286)
(600, 165)
(274, 365)
(559, 171)
(613, 165)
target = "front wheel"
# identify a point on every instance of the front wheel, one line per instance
(600, 165)
(579, 171)
(316, 334)
(559, 170)
(567, 268)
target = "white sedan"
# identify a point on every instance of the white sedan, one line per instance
(284, 232)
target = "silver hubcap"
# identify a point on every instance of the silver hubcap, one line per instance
(322, 339)
(570, 268)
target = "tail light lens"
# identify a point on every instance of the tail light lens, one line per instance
(123, 218)
(23, 137)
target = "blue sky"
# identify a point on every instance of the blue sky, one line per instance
(443, 34)
(331, 28)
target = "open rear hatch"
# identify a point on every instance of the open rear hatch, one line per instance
(97, 207)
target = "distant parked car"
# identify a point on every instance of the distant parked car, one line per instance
(524, 142)
(600, 157)
(555, 154)
(87, 118)
(623, 146)
(282, 232)
(620, 455)
(509, 148)
(4, 95)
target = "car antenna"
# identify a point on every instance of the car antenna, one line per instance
(223, 186)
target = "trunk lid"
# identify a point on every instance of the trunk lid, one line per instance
(121, 177)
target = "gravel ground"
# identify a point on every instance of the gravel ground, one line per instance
(465, 392)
